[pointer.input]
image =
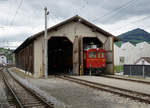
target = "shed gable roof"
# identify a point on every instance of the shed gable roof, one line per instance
(75, 19)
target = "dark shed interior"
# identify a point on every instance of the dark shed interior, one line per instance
(88, 41)
(60, 50)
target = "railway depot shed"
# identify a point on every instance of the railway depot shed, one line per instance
(66, 42)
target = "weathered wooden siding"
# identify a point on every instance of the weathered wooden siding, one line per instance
(38, 57)
(108, 46)
(25, 59)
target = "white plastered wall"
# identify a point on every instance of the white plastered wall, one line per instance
(117, 54)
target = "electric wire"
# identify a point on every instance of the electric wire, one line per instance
(17, 10)
(114, 10)
(133, 22)
(13, 18)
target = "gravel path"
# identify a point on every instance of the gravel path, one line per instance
(118, 83)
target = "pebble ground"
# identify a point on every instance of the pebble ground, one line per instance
(71, 95)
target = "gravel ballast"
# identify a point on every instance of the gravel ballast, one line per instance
(71, 95)
(78, 96)
(135, 86)
(3, 98)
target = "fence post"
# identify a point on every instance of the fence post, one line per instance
(130, 70)
(90, 69)
(143, 72)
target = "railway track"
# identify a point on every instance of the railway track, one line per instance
(127, 79)
(21, 96)
(141, 97)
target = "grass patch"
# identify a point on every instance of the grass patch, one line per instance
(118, 68)
(20, 73)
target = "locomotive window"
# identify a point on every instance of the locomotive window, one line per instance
(102, 55)
(99, 55)
(92, 54)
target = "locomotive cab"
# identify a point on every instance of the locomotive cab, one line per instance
(94, 61)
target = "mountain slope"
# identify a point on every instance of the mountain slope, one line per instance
(135, 36)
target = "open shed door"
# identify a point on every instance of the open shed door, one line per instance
(76, 56)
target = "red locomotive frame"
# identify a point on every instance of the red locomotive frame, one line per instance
(94, 60)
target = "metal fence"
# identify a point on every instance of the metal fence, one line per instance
(137, 70)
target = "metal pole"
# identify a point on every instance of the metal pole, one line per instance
(130, 70)
(45, 44)
(90, 69)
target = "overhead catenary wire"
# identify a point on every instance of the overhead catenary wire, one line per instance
(133, 22)
(16, 12)
(114, 10)
(13, 18)
(77, 11)
(82, 7)
(53, 17)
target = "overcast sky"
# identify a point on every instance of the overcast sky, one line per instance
(20, 19)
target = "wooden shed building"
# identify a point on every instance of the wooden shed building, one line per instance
(66, 42)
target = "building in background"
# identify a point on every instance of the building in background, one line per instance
(117, 55)
(143, 61)
(129, 54)
(3, 59)
(143, 49)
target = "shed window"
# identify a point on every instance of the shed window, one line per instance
(92, 54)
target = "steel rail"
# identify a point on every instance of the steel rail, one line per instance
(117, 88)
(126, 79)
(17, 100)
(46, 104)
(126, 93)
(32, 92)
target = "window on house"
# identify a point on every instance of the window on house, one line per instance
(122, 59)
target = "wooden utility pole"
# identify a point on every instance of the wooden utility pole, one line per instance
(45, 44)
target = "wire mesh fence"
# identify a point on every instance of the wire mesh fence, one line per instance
(137, 70)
